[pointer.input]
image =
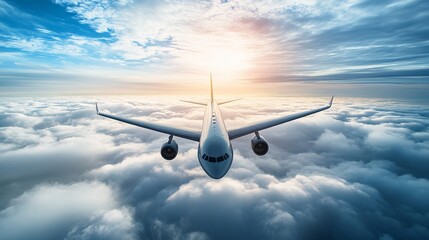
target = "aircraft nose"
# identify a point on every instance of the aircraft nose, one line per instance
(216, 174)
(215, 170)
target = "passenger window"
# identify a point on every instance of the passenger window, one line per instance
(212, 159)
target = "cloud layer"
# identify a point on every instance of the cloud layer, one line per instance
(357, 171)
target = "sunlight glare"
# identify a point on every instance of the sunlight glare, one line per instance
(227, 61)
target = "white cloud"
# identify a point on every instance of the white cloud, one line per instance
(322, 171)
(165, 41)
(113, 224)
(197, 36)
(48, 211)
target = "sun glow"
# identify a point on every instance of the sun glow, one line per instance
(227, 61)
(225, 58)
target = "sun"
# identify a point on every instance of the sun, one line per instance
(223, 60)
(227, 61)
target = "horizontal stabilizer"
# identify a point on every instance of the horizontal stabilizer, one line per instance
(233, 100)
(198, 103)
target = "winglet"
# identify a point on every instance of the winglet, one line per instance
(211, 88)
(96, 108)
(330, 102)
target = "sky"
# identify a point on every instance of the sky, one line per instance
(358, 170)
(354, 48)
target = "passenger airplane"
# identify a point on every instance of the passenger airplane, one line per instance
(215, 152)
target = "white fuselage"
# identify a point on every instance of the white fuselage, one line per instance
(214, 151)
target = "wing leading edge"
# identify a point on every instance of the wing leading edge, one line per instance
(179, 132)
(239, 132)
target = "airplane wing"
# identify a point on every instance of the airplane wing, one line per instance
(239, 132)
(179, 132)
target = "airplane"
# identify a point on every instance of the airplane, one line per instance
(215, 151)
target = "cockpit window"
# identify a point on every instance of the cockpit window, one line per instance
(215, 159)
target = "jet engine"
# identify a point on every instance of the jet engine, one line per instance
(259, 145)
(169, 149)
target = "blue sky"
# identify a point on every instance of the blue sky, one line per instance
(150, 47)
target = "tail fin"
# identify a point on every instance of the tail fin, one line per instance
(211, 88)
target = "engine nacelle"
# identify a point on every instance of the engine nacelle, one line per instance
(259, 145)
(169, 150)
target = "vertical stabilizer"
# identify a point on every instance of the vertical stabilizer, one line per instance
(211, 88)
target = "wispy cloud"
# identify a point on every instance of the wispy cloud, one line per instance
(184, 40)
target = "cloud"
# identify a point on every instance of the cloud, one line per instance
(49, 211)
(355, 171)
(113, 224)
(268, 41)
